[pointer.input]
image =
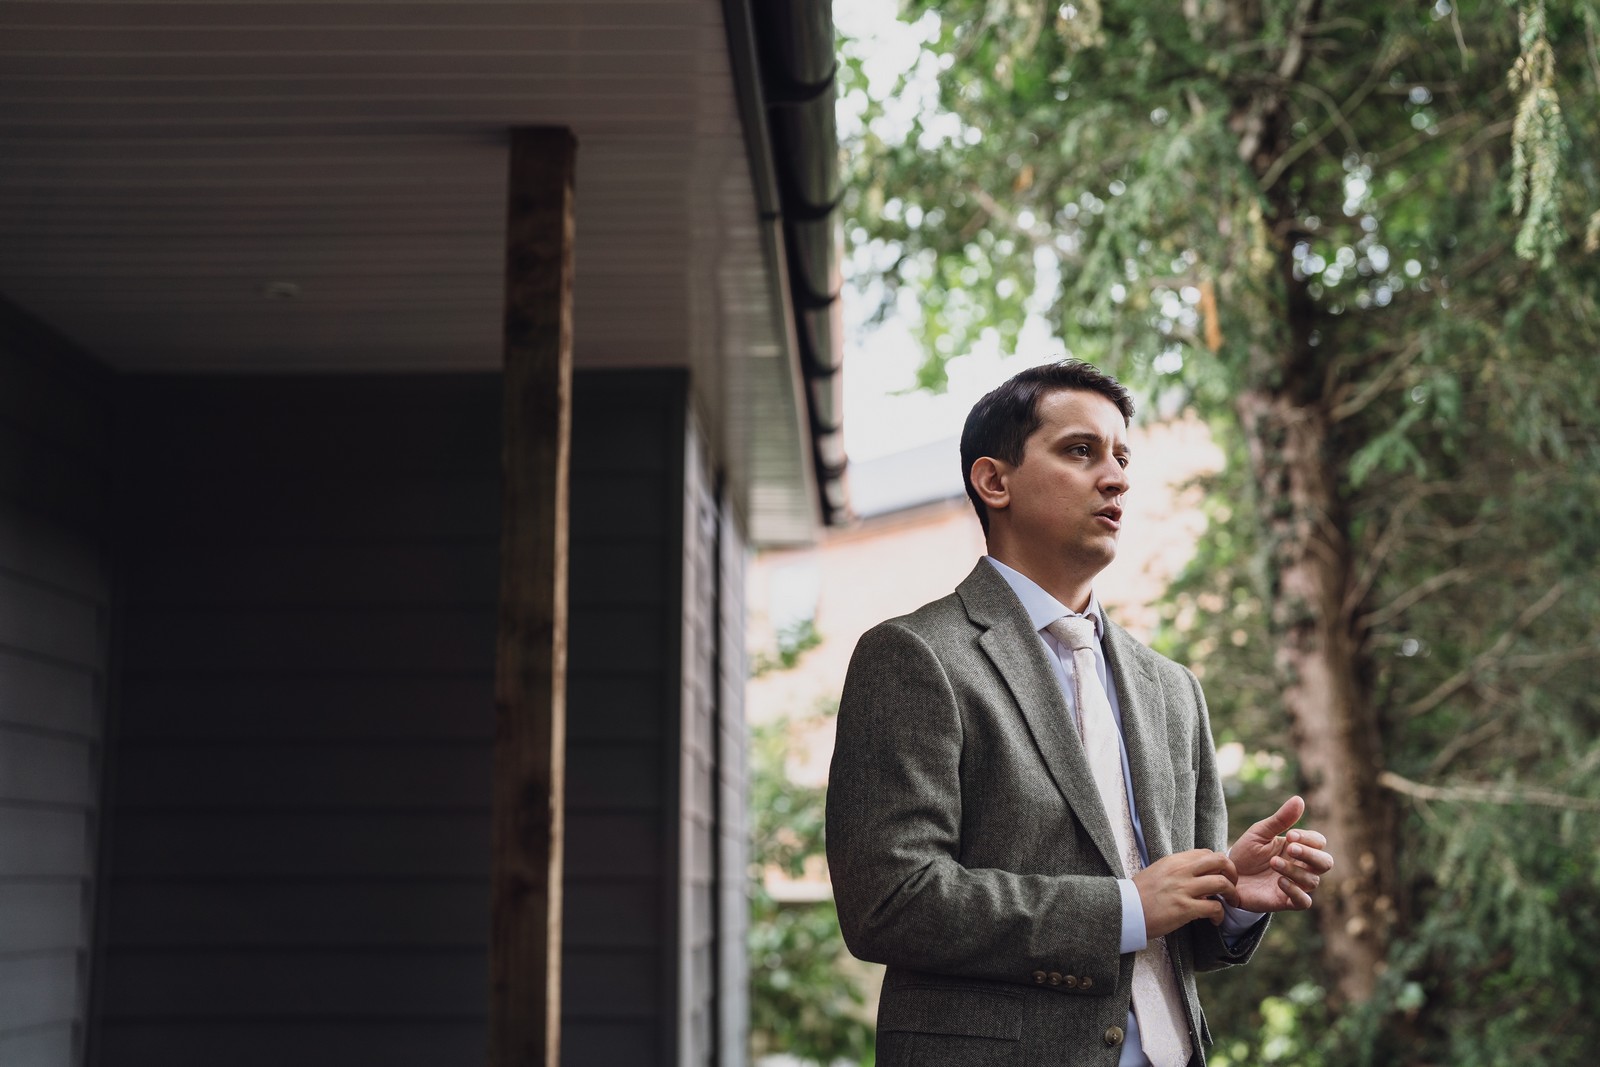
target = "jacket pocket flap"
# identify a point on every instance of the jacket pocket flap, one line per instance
(963, 1012)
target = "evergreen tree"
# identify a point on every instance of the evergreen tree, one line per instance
(1360, 240)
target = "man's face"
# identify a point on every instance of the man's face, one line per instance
(1066, 495)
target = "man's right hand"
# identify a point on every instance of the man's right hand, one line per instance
(1182, 887)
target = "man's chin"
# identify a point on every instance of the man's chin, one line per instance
(1106, 549)
(1101, 551)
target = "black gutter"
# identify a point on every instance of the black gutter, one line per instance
(784, 65)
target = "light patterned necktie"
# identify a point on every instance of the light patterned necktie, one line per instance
(1157, 1002)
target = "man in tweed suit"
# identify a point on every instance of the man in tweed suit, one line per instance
(1025, 821)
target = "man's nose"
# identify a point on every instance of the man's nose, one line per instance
(1114, 479)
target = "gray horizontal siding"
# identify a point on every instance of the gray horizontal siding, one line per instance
(54, 609)
(697, 1000)
(385, 1040)
(298, 868)
(381, 776)
(54, 554)
(42, 622)
(732, 784)
(37, 479)
(619, 951)
(184, 708)
(182, 847)
(40, 917)
(33, 990)
(274, 984)
(609, 1039)
(54, 770)
(47, 696)
(713, 916)
(38, 843)
(50, 1043)
(273, 508)
(310, 915)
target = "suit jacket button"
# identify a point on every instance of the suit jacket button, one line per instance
(1072, 981)
(1113, 1036)
(1038, 976)
(1055, 978)
(1085, 982)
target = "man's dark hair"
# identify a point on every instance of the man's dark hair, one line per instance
(1000, 424)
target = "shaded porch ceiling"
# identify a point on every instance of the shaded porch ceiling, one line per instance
(259, 186)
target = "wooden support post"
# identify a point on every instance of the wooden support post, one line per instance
(530, 676)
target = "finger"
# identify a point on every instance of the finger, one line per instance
(1308, 880)
(1298, 898)
(1280, 820)
(1204, 861)
(1308, 837)
(1214, 885)
(1215, 863)
(1313, 859)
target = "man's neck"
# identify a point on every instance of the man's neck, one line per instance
(1070, 588)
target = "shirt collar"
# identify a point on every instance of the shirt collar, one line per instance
(1042, 608)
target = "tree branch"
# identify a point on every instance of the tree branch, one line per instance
(1341, 23)
(1335, 110)
(1038, 236)
(1592, 53)
(1461, 40)
(1388, 539)
(1387, 156)
(1336, 118)
(1487, 794)
(1443, 580)
(1374, 388)
(1547, 660)
(1251, 125)
(1461, 742)
(1294, 47)
(1452, 535)
(1479, 139)
(1483, 660)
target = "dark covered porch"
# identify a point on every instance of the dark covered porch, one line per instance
(253, 503)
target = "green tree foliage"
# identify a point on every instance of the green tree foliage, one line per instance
(1359, 240)
(804, 999)
(794, 641)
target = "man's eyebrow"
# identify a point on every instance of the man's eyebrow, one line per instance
(1094, 438)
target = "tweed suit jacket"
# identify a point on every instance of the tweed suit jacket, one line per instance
(970, 852)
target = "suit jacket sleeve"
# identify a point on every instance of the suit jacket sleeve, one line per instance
(1211, 951)
(894, 826)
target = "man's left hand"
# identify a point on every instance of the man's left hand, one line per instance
(1278, 870)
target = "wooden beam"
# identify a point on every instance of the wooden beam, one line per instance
(530, 676)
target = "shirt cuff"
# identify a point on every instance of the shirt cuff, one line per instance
(1236, 922)
(1134, 937)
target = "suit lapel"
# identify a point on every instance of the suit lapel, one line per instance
(1019, 655)
(1144, 731)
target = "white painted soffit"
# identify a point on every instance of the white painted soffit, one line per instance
(274, 185)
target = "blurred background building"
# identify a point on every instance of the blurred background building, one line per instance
(917, 537)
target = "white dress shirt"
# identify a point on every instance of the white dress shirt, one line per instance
(1044, 609)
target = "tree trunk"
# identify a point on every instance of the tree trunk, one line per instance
(1334, 724)
(1285, 416)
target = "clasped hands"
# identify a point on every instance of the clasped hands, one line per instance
(1267, 869)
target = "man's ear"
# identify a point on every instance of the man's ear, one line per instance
(989, 480)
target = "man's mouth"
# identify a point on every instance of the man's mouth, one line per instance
(1112, 515)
